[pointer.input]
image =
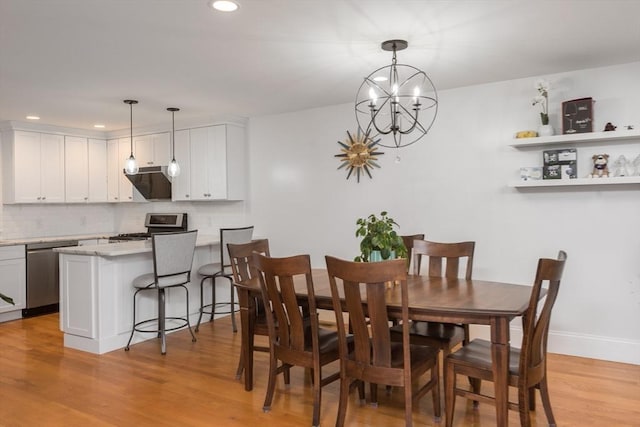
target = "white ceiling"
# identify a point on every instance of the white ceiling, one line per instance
(72, 62)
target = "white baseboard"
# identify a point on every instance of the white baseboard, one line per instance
(582, 345)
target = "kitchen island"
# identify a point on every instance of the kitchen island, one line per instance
(96, 295)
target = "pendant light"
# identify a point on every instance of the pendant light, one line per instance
(174, 167)
(131, 165)
(398, 100)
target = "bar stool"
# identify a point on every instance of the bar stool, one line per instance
(222, 269)
(172, 262)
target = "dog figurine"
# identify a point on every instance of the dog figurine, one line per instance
(600, 167)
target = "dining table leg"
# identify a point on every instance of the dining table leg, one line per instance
(500, 358)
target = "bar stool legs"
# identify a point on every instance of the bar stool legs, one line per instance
(214, 304)
(161, 332)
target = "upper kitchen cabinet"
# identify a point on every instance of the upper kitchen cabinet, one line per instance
(181, 184)
(217, 164)
(33, 167)
(85, 167)
(76, 177)
(152, 150)
(97, 155)
(119, 188)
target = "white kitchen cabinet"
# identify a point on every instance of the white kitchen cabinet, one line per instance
(119, 187)
(76, 177)
(13, 283)
(85, 170)
(78, 314)
(33, 167)
(217, 163)
(97, 159)
(181, 184)
(152, 150)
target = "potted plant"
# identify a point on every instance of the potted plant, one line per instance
(380, 241)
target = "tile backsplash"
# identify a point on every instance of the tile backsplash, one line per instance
(29, 221)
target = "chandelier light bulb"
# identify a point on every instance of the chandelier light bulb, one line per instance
(373, 96)
(416, 94)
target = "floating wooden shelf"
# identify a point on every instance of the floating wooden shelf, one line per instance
(612, 137)
(576, 182)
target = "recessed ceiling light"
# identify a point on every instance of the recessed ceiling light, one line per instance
(32, 118)
(224, 5)
(99, 126)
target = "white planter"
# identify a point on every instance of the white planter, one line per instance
(545, 130)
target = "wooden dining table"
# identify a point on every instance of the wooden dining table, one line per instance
(435, 299)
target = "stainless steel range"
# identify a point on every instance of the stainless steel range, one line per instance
(155, 223)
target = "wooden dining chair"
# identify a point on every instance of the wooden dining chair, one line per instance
(295, 339)
(408, 243)
(375, 358)
(527, 365)
(444, 260)
(240, 259)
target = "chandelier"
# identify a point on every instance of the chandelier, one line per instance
(396, 99)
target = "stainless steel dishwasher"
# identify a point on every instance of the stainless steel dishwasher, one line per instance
(43, 277)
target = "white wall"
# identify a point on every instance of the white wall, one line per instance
(452, 186)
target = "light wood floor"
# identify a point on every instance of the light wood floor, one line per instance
(45, 384)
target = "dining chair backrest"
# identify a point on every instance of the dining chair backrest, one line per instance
(232, 235)
(366, 282)
(173, 257)
(536, 322)
(240, 258)
(408, 243)
(444, 258)
(277, 281)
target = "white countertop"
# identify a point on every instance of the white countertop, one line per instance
(126, 248)
(26, 241)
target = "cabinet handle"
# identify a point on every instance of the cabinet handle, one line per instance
(130, 197)
(115, 198)
(39, 198)
(149, 163)
(86, 198)
(44, 198)
(186, 196)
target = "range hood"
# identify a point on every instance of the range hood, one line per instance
(152, 182)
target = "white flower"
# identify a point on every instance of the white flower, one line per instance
(539, 99)
(542, 86)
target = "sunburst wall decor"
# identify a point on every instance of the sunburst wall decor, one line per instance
(359, 154)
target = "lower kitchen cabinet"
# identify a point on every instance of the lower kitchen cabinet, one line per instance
(78, 288)
(13, 282)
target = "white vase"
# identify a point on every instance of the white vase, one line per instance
(545, 130)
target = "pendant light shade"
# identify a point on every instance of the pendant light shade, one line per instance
(174, 167)
(131, 165)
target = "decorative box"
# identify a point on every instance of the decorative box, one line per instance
(577, 116)
(560, 164)
(530, 173)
